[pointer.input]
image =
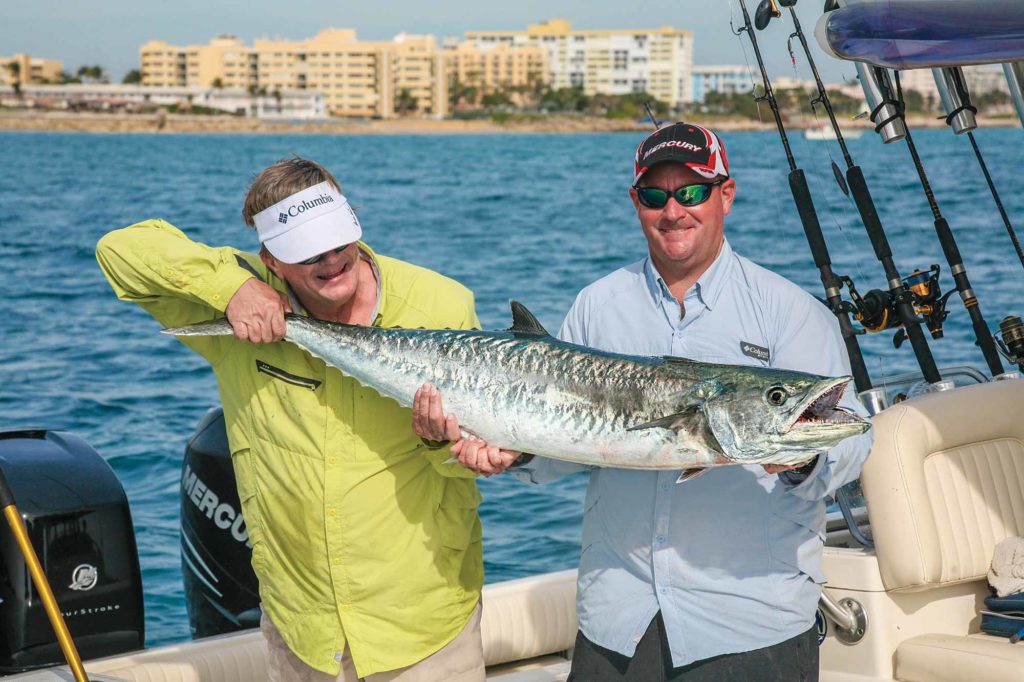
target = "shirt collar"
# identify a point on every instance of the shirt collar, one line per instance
(708, 287)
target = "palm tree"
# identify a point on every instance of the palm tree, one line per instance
(94, 74)
(405, 103)
(133, 77)
(15, 69)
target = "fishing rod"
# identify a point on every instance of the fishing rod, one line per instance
(951, 250)
(961, 118)
(888, 112)
(877, 310)
(17, 525)
(812, 227)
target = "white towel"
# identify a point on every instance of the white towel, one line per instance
(1007, 572)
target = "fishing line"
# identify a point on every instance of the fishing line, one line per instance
(905, 299)
(801, 192)
(951, 250)
(776, 204)
(995, 196)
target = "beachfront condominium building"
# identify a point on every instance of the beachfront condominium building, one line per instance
(357, 78)
(725, 79)
(612, 62)
(517, 71)
(28, 70)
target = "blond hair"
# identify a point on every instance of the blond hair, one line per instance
(281, 180)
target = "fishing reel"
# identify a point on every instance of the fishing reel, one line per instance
(1010, 340)
(929, 301)
(876, 310)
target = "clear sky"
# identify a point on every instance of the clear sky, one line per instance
(109, 32)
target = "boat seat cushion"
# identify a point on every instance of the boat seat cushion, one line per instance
(945, 483)
(953, 658)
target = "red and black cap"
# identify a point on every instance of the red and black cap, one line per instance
(694, 146)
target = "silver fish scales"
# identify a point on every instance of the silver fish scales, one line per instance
(522, 389)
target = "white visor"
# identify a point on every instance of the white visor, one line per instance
(316, 220)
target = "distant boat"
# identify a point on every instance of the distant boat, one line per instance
(822, 132)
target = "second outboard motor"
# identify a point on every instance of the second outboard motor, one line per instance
(221, 590)
(77, 518)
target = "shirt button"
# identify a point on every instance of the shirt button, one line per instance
(333, 460)
(663, 590)
(660, 539)
(330, 512)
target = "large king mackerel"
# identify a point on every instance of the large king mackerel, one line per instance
(524, 390)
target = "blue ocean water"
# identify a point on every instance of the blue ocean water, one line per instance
(530, 217)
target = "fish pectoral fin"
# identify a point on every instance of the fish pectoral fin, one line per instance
(688, 419)
(524, 322)
(689, 474)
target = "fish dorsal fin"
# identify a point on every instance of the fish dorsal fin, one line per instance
(524, 322)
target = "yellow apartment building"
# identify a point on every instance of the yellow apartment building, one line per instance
(506, 68)
(357, 78)
(29, 70)
(614, 62)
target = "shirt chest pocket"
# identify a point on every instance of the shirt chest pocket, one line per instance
(290, 378)
(287, 403)
(730, 351)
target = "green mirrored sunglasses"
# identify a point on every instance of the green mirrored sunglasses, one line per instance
(687, 195)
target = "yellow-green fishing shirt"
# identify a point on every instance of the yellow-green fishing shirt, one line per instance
(360, 534)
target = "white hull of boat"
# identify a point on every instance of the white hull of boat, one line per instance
(824, 134)
(944, 484)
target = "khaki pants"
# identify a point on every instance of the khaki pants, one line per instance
(461, 660)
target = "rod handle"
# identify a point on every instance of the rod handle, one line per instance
(868, 212)
(809, 217)
(35, 569)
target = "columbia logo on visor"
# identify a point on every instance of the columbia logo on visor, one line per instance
(282, 218)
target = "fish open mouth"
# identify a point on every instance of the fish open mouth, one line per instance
(824, 409)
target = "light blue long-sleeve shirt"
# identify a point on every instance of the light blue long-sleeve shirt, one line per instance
(731, 558)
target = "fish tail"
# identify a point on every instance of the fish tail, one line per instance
(218, 327)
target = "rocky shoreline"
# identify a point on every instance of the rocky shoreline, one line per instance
(176, 123)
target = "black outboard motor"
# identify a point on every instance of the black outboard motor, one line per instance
(78, 521)
(221, 590)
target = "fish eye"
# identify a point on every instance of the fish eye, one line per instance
(776, 395)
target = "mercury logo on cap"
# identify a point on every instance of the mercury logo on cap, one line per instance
(308, 223)
(693, 146)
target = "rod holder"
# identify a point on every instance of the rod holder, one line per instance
(881, 98)
(874, 400)
(956, 99)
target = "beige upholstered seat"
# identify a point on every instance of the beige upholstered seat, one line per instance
(976, 658)
(944, 484)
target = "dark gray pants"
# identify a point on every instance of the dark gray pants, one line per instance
(795, 660)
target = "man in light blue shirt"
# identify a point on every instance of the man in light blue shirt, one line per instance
(717, 578)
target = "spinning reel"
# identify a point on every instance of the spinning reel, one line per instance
(876, 310)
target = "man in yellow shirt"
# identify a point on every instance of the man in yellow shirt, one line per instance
(367, 545)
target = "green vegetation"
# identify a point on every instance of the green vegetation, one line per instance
(133, 77)
(405, 103)
(535, 99)
(92, 74)
(198, 110)
(15, 70)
